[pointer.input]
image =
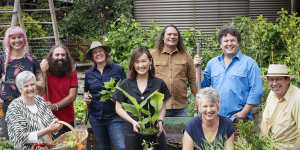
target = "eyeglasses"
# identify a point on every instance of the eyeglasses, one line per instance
(275, 79)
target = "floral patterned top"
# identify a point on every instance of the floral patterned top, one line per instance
(9, 90)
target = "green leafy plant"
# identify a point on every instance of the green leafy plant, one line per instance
(80, 109)
(155, 100)
(109, 89)
(148, 145)
(249, 140)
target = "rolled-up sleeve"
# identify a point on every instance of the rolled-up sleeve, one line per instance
(255, 83)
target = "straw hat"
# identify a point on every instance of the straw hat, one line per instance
(277, 70)
(94, 45)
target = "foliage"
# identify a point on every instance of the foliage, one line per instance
(271, 43)
(138, 110)
(80, 109)
(88, 20)
(249, 140)
(32, 30)
(109, 89)
(148, 145)
(6, 145)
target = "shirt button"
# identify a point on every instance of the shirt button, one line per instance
(142, 97)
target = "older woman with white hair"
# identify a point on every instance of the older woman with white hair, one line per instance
(29, 119)
(208, 128)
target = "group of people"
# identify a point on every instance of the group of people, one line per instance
(231, 87)
(34, 96)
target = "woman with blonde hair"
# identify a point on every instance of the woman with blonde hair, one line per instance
(15, 60)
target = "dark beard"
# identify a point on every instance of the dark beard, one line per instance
(59, 69)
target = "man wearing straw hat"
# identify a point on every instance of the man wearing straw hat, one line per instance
(281, 116)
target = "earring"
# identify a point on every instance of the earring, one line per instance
(150, 68)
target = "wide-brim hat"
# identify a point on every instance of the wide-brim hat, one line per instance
(94, 45)
(277, 70)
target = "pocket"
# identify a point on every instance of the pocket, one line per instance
(180, 69)
(216, 76)
(161, 67)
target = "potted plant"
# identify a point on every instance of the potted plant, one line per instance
(147, 120)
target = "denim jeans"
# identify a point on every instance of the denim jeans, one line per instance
(108, 131)
(177, 112)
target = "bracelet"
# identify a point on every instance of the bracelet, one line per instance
(55, 106)
(159, 120)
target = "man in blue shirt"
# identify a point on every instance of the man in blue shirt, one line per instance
(235, 76)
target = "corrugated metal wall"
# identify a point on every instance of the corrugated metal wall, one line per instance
(204, 15)
(267, 8)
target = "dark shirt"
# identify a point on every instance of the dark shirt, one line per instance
(131, 87)
(94, 83)
(195, 130)
(9, 89)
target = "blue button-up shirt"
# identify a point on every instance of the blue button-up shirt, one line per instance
(238, 84)
(94, 83)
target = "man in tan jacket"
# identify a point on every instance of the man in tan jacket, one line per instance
(175, 66)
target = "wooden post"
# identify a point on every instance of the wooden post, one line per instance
(54, 23)
(14, 19)
(198, 69)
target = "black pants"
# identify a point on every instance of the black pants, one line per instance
(134, 142)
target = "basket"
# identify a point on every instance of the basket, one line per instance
(80, 135)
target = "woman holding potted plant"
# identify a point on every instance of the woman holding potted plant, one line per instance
(208, 130)
(134, 105)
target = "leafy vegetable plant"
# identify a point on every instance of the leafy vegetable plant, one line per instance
(155, 100)
(110, 88)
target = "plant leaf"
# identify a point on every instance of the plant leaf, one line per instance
(132, 99)
(130, 108)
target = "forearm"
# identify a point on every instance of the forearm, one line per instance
(247, 108)
(68, 99)
(122, 113)
(162, 112)
(43, 132)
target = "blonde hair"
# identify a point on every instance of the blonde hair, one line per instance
(209, 94)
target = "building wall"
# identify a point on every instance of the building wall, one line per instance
(204, 15)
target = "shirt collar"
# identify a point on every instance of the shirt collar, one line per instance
(165, 51)
(106, 66)
(238, 56)
(286, 97)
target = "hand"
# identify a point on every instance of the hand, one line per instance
(50, 105)
(44, 65)
(197, 60)
(240, 114)
(135, 126)
(1, 103)
(55, 126)
(161, 128)
(87, 97)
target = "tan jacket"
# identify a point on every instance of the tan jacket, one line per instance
(177, 70)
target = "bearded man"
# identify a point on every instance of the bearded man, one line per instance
(59, 72)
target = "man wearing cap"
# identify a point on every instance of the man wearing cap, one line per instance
(106, 124)
(59, 71)
(281, 115)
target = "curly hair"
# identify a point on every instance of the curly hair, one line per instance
(229, 30)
